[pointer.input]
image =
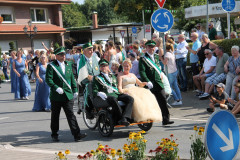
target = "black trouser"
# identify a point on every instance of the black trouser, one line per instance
(195, 68)
(161, 99)
(117, 111)
(71, 118)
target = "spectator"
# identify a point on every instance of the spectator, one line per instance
(233, 35)
(5, 64)
(218, 99)
(135, 51)
(115, 68)
(232, 68)
(159, 49)
(193, 55)
(120, 55)
(134, 68)
(181, 60)
(207, 71)
(212, 32)
(172, 41)
(199, 31)
(169, 60)
(155, 35)
(142, 45)
(217, 77)
(35, 61)
(233, 103)
(206, 44)
(96, 52)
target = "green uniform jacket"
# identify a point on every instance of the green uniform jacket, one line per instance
(148, 73)
(54, 81)
(98, 87)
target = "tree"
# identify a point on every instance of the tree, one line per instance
(11, 46)
(72, 17)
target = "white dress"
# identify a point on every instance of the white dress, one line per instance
(145, 106)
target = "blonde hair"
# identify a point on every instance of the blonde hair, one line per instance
(44, 54)
(127, 61)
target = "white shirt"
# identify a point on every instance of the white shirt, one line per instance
(62, 65)
(151, 56)
(106, 76)
(181, 51)
(89, 60)
(209, 63)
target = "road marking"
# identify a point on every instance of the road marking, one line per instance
(181, 119)
(4, 118)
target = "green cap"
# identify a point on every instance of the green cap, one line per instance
(103, 62)
(59, 50)
(87, 45)
(150, 43)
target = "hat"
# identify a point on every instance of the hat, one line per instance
(87, 45)
(132, 55)
(150, 43)
(103, 62)
(59, 50)
(221, 85)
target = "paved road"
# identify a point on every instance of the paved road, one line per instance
(29, 132)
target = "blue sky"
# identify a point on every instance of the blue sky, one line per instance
(79, 1)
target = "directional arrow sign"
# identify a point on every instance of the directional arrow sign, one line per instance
(222, 136)
(162, 20)
(160, 3)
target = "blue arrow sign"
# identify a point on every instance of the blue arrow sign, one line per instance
(228, 5)
(134, 30)
(222, 135)
(162, 20)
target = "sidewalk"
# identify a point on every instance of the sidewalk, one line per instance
(8, 152)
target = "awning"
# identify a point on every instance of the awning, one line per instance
(41, 29)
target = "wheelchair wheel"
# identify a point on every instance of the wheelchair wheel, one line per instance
(105, 124)
(145, 126)
(90, 119)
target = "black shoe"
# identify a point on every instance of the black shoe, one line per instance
(55, 139)
(89, 115)
(79, 111)
(210, 110)
(81, 136)
(124, 122)
(167, 122)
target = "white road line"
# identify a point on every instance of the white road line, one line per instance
(4, 118)
(181, 119)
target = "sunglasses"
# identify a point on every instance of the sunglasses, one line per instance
(206, 54)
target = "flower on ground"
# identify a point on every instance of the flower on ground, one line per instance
(67, 152)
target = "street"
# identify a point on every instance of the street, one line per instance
(29, 131)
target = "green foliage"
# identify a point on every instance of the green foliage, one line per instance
(227, 44)
(0, 52)
(56, 45)
(72, 16)
(99, 42)
(11, 46)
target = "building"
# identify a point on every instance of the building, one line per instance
(46, 15)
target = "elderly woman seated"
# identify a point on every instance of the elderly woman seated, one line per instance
(207, 70)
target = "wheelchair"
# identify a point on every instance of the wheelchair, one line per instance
(102, 117)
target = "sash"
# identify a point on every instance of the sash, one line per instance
(151, 63)
(59, 74)
(123, 57)
(104, 83)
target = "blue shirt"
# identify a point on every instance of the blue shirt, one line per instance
(194, 57)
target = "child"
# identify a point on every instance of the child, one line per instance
(219, 99)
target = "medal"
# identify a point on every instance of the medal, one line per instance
(110, 90)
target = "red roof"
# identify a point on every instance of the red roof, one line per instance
(36, 1)
(41, 29)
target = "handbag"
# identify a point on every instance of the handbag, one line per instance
(166, 84)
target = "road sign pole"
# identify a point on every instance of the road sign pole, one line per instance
(228, 24)
(144, 29)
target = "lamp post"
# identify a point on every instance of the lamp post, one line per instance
(31, 33)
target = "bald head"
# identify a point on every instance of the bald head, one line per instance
(181, 38)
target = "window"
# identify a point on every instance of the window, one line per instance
(38, 15)
(7, 14)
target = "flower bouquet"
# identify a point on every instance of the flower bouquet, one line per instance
(26, 71)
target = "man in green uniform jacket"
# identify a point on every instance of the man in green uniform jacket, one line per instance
(149, 70)
(60, 79)
(105, 94)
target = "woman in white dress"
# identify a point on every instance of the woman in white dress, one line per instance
(145, 105)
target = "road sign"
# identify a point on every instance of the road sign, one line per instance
(122, 32)
(134, 34)
(222, 135)
(160, 3)
(228, 5)
(162, 20)
(134, 30)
